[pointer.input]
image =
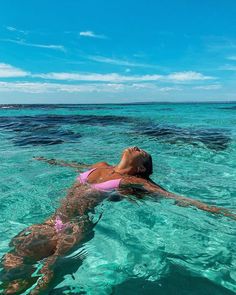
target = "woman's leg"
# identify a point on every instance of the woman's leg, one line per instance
(69, 237)
(30, 245)
(39, 242)
(16, 274)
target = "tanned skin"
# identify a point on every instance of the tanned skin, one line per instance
(43, 242)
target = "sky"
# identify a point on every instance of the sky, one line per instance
(107, 51)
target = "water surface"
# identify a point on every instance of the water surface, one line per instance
(139, 247)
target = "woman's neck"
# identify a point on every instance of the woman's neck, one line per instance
(123, 169)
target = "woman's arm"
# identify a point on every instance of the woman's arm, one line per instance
(76, 165)
(185, 202)
(158, 191)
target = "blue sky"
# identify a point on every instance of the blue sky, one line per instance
(117, 51)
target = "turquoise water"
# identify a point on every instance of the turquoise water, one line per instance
(143, 246)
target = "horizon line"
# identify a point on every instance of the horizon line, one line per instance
(122, 103)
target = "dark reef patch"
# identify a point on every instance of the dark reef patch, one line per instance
(34, 106)
(39, 122)
(47, 137)
(228, 108)
(214, 139)
(55, 106)
(50, 129)
(55, 129)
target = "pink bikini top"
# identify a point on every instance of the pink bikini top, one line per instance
(105, 186)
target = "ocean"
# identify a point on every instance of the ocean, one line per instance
(139, 246)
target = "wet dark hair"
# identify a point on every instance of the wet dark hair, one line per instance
(147, 163)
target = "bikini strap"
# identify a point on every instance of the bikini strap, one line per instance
(83, 177)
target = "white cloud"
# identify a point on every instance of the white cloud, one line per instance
(188, 76)
(143, 86)
(118, 62)
(208, 87)
(95, 82)
(37, 87)
(167, 89)
(228, 68)
(152, 86)
(232, 57)
(91, 34)
(13, 29)
(47, 46)
(112, 77)
(8, 71)
(44, 87)
(177, 77)
(220, 43)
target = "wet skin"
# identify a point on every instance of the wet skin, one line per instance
(44, 241)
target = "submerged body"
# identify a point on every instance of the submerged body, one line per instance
(49, 240)
(70, 224)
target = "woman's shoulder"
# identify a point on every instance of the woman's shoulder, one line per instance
(100, 165)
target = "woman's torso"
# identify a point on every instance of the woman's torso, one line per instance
(103, 178)
(91, 188)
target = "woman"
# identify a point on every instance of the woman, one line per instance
(70, 224)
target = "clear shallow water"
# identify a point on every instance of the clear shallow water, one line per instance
(141, 247)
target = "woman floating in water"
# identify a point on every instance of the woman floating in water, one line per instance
(71, 225)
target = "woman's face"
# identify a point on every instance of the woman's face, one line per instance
(133, 156)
